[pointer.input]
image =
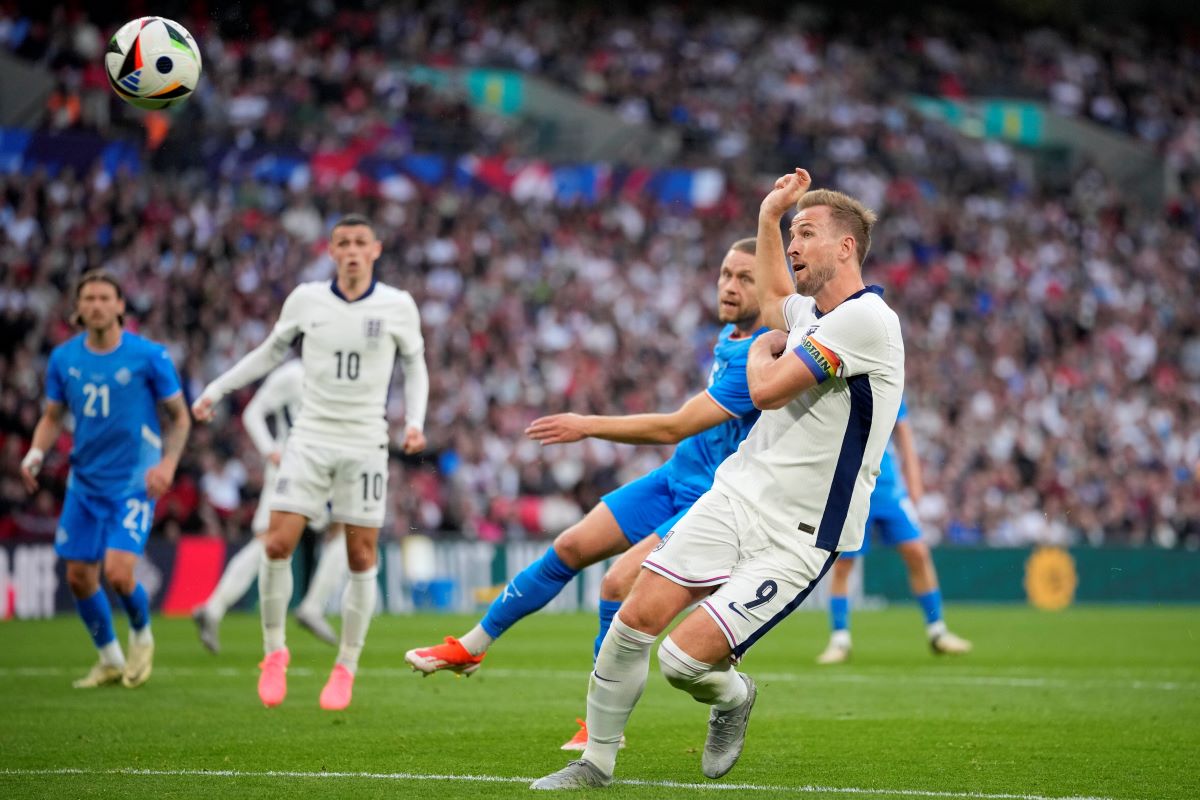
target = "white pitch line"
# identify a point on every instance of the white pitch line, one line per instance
(416, 776)
(895, 679)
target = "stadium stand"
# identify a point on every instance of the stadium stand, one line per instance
(1052, 330)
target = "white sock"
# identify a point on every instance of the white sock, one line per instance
(614, 688)
(332, 568)
(840, 638)
(240, 573)
(935, 629)
(111, 655)
(476, 640)
(358, 605)
(142, 637)
(274, 594)
(717, 685)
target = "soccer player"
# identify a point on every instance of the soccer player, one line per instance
(893, 517)
(794, 494)
(353, 328)
(708, 427)
(279, 397)
(113, 383)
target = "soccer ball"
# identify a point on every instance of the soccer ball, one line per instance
(152, 62)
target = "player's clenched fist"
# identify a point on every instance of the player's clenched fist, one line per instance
(202, 409)
(787, 192)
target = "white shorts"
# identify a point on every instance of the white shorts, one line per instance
(353, 480)
(722, 542)
(262, 514)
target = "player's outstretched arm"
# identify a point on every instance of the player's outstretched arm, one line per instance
(175, 434)
(45, 433)
(258, 362)
(910, 463)
(774, 375)
(698, 414)
(772, 277)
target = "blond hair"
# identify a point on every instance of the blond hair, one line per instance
(749, 246)
(849, 215)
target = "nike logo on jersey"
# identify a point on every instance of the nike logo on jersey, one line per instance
(733, 607)
(600, 677)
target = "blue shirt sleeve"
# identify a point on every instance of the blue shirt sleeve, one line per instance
(731, 391)
(55, 388)
(164, 380)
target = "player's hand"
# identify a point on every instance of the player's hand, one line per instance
(557, 429)
(414, 440)
(158, 480)
(202, 409)
(787, 192)
(275, 458)
(774, 342)
(31, 465)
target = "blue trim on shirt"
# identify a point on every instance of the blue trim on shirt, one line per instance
(873, 289)
(850, 460)
(338, 292)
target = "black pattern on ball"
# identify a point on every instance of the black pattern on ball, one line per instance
(163, 64)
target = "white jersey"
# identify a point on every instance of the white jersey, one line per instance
(809, 467)
(348, 351)
(279, 396)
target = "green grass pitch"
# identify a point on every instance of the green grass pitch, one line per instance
(1097, 702)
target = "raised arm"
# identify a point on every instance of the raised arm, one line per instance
(45, 434)
(698, 414)
(772, 276)
(255, 364)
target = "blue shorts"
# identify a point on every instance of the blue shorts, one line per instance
(651, 504)
(893, 519)
(91, 524)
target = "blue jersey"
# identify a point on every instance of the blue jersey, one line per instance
(697, 457)
(890, 482)
(114, 399)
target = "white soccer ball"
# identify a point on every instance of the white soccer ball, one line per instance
(152, 62)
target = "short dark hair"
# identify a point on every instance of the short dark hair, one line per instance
(352, 219)
(848, 214)
(97, 276)
(749, 246)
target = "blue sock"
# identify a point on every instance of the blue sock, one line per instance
(608, 610)
(839, 612)
(534, 586)
(137, 606)
(931, 604)
(97, 618)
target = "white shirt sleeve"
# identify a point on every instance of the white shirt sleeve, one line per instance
(280, 389)
(266, 356)
(793, 307)
(857, 337)
(411, 345)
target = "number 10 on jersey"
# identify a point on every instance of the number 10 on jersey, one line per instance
(351, 362)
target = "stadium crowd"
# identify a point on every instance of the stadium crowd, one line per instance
(1053, 344)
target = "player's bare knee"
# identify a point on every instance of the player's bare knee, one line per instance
(120, 578)
(277, 547)
(616, 584)
(568, 548)
(82, 580)
(360, 560)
